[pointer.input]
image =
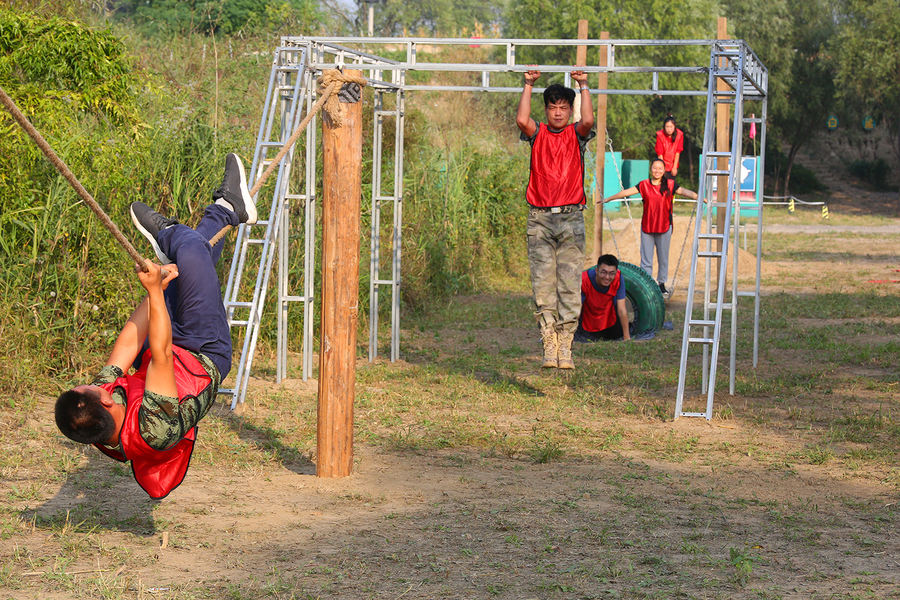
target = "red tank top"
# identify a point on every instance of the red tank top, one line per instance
(666, 148)
(158, 472)
(657, 216)
(598, 311)
(557, 168)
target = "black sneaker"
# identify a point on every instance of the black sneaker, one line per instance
(662, 289)
(233, 194)
(150, 223)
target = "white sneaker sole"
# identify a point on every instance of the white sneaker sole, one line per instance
(249, 205)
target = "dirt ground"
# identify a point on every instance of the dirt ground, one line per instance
(440, 526)
(450, 524)
(712, 521)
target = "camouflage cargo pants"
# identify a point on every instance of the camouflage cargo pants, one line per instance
(556, 259)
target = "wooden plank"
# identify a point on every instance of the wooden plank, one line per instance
(600, 157)
(580, 60)
(581, 51)
(723, 138)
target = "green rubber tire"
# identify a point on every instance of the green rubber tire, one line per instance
(646, 299)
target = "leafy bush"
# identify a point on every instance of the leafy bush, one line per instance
(804, 181)
(874, 173)
(463, 220)
(67, 68)
(77, 87)
(66, 286)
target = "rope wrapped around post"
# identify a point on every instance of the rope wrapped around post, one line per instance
(329, 81)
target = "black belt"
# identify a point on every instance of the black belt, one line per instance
(568, 208)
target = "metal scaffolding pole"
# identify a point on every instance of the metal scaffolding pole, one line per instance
(306, 57)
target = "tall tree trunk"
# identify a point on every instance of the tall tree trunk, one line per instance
(895, 146)
(789, 167)
(776, 177)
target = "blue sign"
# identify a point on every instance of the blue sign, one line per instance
(747, 175)
(868, 123)
(832, 122)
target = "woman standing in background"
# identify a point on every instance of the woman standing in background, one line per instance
(657, 194)
(669, 146)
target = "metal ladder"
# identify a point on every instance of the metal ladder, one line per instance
(726, 63)
(289, 81)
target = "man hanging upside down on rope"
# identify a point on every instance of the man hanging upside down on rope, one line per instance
(178, 340)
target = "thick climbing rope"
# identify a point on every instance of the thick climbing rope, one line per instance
(612, 234)
(637, 239)
(330, 80)
(681, 254)
(590, 160)
(57, 162)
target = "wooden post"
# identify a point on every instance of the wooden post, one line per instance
(580, 61)
(599, 189)
(342, 178)
(581, 51)
(723, 114)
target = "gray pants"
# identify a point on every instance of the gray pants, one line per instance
(660, 241)
(556, 259)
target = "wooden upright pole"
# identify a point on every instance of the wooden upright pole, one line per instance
(723, 129)
(599, 190)
(581, 51)
(342, 178)
(580, 60)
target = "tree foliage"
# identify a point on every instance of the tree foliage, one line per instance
(448, 18)
(180, 17)
(868, 54)
(63, 64)
(791, 37)
(633, 120)
(67, 79)
(767, 27)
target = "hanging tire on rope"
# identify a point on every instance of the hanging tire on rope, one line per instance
(645, 297)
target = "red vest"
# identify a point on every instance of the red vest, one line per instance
(158, 472)
(657, 216)
(598, 311)
(666, 148)
(557, 168)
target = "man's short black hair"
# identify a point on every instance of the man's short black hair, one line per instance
(609, 260)
(557, 92)
(81, 417)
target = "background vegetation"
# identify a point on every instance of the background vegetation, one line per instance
(143, 99)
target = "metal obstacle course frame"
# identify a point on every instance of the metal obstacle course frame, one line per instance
(292, 84)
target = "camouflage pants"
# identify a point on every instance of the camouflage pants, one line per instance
(556, 259)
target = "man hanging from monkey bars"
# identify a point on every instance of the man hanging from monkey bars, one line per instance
(555, 195)
(178, 341)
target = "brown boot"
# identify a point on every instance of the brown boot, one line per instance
(551, 348)
(565, 350)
